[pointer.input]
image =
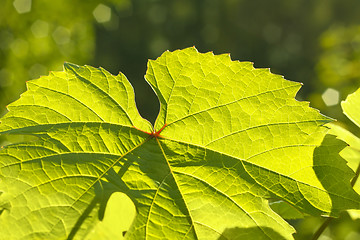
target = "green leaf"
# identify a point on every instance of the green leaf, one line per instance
(227, 137)
(350, 153)
(285, 210)
(351, 108)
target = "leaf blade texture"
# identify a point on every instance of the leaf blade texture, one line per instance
(351, 107)
(350, 153)
(228, 136)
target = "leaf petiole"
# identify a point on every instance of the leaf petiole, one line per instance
(154, 134)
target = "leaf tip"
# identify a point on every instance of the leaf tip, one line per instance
(70, 66)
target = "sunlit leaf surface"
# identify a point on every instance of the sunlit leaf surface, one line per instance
(352, 152)
(227, 137)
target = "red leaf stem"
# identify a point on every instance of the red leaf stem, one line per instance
(152, 134)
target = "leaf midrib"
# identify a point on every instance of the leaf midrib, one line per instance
(58, 123)
(261, 167)
(228, 103)
(201, 180)
(99, 178)
(178, 188)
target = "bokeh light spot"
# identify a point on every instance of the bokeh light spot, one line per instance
(102, 13)
(37, 70)
(40, 29)
(61, 35)
(22, 6)
(19, 47)
(330, 97)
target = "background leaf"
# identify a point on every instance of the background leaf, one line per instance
(285, 210)
(351, 107)
(352, 152)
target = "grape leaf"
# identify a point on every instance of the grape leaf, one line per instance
(227, 137)
(351, 107)
(285, 210)
(352, 152)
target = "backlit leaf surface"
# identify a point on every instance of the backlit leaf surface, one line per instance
(351, 153)
(227, 137)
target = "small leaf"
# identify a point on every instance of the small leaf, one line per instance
(227, 137)
(285, 210)
(352, 152)
(351, 107)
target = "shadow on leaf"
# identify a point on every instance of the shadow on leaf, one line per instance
(237, 233)
(334, 175)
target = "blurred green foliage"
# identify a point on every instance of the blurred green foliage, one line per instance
(314, 42)
(338, 66)
(41, 39)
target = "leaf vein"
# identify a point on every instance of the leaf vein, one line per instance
(229, 103)
(72, 97)
(81, 78)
